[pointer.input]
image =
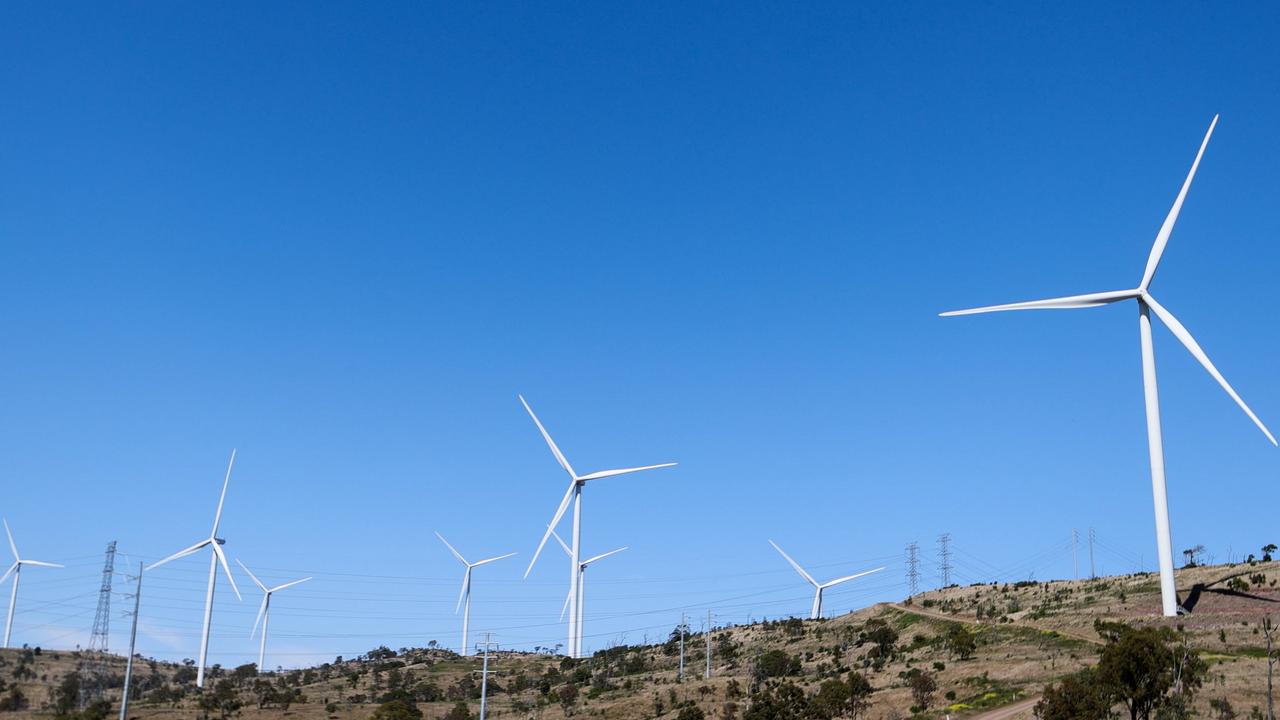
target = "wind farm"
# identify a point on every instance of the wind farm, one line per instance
(674, 306)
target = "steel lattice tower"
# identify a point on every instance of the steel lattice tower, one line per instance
(944, 555)
(93, 667)
(913, 568)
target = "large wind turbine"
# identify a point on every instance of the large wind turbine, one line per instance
(574, 494)
(264, 610)
(16, 571)
(1146, 305)
(464, 595)
(582, 578)
(816, 611)
(217, 556)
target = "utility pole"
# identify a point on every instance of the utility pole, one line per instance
(487, 645)
(680, 675)
(944, 554)
(1075, 543)
(913, 568)
(1092, 573)
(133, 638)
(93, 669)
(707, 675)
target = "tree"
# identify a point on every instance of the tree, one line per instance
(859, 694)
(959, 642)
(397, 709)
(777, 663)
(568, 697)
(1267, 550)
(1141, 671)
(1077, 697)
(923, 685)
(1273, 656)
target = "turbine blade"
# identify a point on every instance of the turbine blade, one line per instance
(1068, 302)
(12, 546)
(261, 609)
(847, 578)
(462, 593)
(222, 558)
(602, 556)
(564, 505)
(565, 608)
(550, 443)
(455, 552)
(1194, 348)
(795, 564)
(289, 584)
(486, 561)
(217, 517)
(181, 553)
(41, 564)
(567, 551)
(253, 577)
(1162, 237)
(12, 569)
(623, 471)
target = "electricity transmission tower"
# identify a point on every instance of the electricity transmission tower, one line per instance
(1093, 574)
(707, 675)
(680, 675)
(913, 568)
(93, 668)
(485, 646)
(944, 556)
(1075, 543)
(133, 638)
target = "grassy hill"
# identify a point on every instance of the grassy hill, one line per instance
(984, 647)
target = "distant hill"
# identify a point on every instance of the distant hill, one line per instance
(985, 647)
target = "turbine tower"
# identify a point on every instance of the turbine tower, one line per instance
(1146, 305)
(464, 595)
(574, 495)
(581, 584)
(216, 557)
(264, 610)
(816, 611)
(16, 571)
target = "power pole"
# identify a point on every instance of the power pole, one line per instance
(487, 645)
(93, 669)
(707, 675)
(944, 554)
(1075, 542)
(913, 568)
(133, 638)
(1092, 573)
(680, 676)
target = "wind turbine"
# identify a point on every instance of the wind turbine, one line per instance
(1146, 305)
(217, 556)
(818, 587)
(264, 610)
(582, 577)
(16, 571)
(464, 596)
(574, 494)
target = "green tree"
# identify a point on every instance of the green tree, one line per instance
(923, 685)
(1144, 673)
(459, 711)
(397, 709)
(959, 641)
(690, 712)
(1078, 696)
(1267, 550)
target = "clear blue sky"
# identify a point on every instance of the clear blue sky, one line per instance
(342, 239)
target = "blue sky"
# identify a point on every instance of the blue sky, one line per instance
(343, 239)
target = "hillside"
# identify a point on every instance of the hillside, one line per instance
(1023, 635)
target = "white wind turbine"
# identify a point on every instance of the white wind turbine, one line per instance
(264, 610)
(16, 571)
(464, 595)
(217, 556)
(818, 587)
(1146, 305)
(574, 494)
(582, 577)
